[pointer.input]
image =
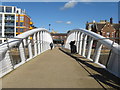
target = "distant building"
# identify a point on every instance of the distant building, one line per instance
(59, 38)
(23, 23)
(13, 21)
(105, 28)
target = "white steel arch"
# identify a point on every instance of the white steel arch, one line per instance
(86, 37)
(33, 42)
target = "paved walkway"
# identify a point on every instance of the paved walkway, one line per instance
(52, 69)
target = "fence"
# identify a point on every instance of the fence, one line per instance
(24, 47)
(96, 48)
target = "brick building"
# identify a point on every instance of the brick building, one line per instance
(105, 28)
(23, 23)
(58, 38)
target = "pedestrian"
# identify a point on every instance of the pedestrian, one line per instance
(62, 43)
(51, 45)
(73, 47)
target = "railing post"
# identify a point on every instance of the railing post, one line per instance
(38, 42)
(41, 41)
(35, 44)
(97, 52)
(45, 40)
(80, 44)
(84, 45)
(29, 47)
(77, 41)
(89, 47)
(22, 52)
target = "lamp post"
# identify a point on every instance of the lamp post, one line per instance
(49, 27)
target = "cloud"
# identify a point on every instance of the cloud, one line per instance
(69, 4)
(59, 21)
(68, 22)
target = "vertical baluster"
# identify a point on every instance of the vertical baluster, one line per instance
(89, 47)
(45, 40)
(97, 52)
(84, 45)
(29, 47)
(35, 44)
(22, 52)
(38, 42)
(80, 43)
(43, 47)
(41, 40)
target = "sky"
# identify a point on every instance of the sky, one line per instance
(64, 16)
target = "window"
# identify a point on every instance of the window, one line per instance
(21, 30)
(1, 9)
(0, 16)
(113, 35)
(0, 23)
(9, 30)
(16, 23)
(14, 9)
(0, 29)
(0, 41)
(21, 18)
(9, 9)
(108, 34)
(21, 23)
(16, 29)
(16, 17)
(0, 34)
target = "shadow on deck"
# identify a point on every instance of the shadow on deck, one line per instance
(101, 75)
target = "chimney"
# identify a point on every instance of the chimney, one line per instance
(111, 20)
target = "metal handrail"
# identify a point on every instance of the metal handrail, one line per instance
(17, 39)
(103, 40)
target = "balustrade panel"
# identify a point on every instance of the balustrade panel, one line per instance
(104, 55)
(15, 55)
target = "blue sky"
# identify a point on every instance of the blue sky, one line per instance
(64, 16)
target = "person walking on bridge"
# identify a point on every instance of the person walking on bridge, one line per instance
(73, 47)
(51, 45)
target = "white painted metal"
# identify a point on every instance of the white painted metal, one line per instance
(35, 44)
(89, 47)
(80, 44)
(84, 45)
(29, 47)
(97, 52)
(113, 64)
(77, 41)
(22, 52)
(39, 40)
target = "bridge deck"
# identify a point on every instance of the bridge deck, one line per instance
(52, 69)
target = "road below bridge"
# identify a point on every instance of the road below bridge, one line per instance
(52, 69)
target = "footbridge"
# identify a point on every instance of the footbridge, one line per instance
(26, 61)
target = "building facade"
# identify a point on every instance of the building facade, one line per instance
(59, 38)
(107, 29)
(13, 21)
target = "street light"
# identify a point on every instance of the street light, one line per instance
(49, 27)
